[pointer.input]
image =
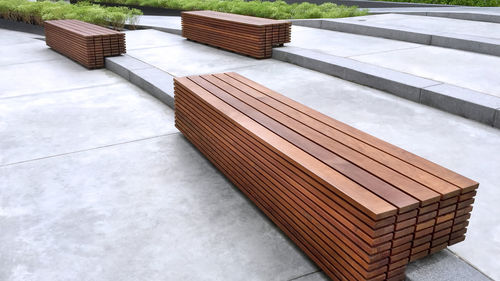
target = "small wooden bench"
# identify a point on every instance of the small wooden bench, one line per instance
(359, 207)
(83, 42)
(251, 36)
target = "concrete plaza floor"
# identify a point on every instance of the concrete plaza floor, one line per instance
(97, 184)
(464, 69)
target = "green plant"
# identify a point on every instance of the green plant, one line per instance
(37, 12)
(477, 3)
(266, 9)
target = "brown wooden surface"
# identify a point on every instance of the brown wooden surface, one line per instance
(83, 42)
(251, 36)
(360, 209)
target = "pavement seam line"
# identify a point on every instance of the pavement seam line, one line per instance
(388, 51)
(28, 62)
(156, 47)
(471, 265)
(85, 150)
(304, 275)
(62, 91)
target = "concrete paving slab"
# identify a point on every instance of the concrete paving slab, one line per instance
(149, 38)
(485, 14)
(124, 64)
(343, 44)
(8, 37)
(316, 276)
(473, 36)
(170, 24)
(428, 25)
(191, 58)
(41, 125)
(156, 82)
(152, 209)
(395, 82)
(442, 266)
(373, 29)
(407, 75)
(462, 102)
(30, 51)
(56, 75)
(464, 69)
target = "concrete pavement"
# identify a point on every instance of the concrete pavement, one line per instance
(484, 14)
(114, 191)
(96, 183)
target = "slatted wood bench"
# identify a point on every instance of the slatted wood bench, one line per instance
(247, 35)
(83, 42)
(359, 207)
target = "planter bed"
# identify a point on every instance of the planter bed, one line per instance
(146, 10)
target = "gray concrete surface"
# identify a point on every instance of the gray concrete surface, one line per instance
(442, 266)
(485, 14)
(97, 184)
(402, 68)
(474, 36)
(385, 69)
(180, 57)
(149, 206)
(343, 44)
(427, 25)
(369, 4)
(170, 24)
(467, 70)
(464, 102)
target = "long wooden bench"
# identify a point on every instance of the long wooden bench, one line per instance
(247, 35)
(83, 42)
(359, 207)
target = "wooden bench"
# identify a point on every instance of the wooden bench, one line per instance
(83, 42)
(251, 36)
(359, 207)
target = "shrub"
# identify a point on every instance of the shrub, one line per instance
(277, 10)
(477, 3)
(37, 12)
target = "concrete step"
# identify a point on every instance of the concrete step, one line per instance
(462, 83)
(473, 36)
(485, 14)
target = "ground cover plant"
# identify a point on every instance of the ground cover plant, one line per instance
(266, 9)
(37, 12)
(477, 3)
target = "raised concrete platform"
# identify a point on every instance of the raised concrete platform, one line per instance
(342, 54)
(170, 24)
(486, 14)
(473, 36)
(458, 82)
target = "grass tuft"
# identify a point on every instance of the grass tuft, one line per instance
(265, 9)
(476, 3)
(37, 12)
